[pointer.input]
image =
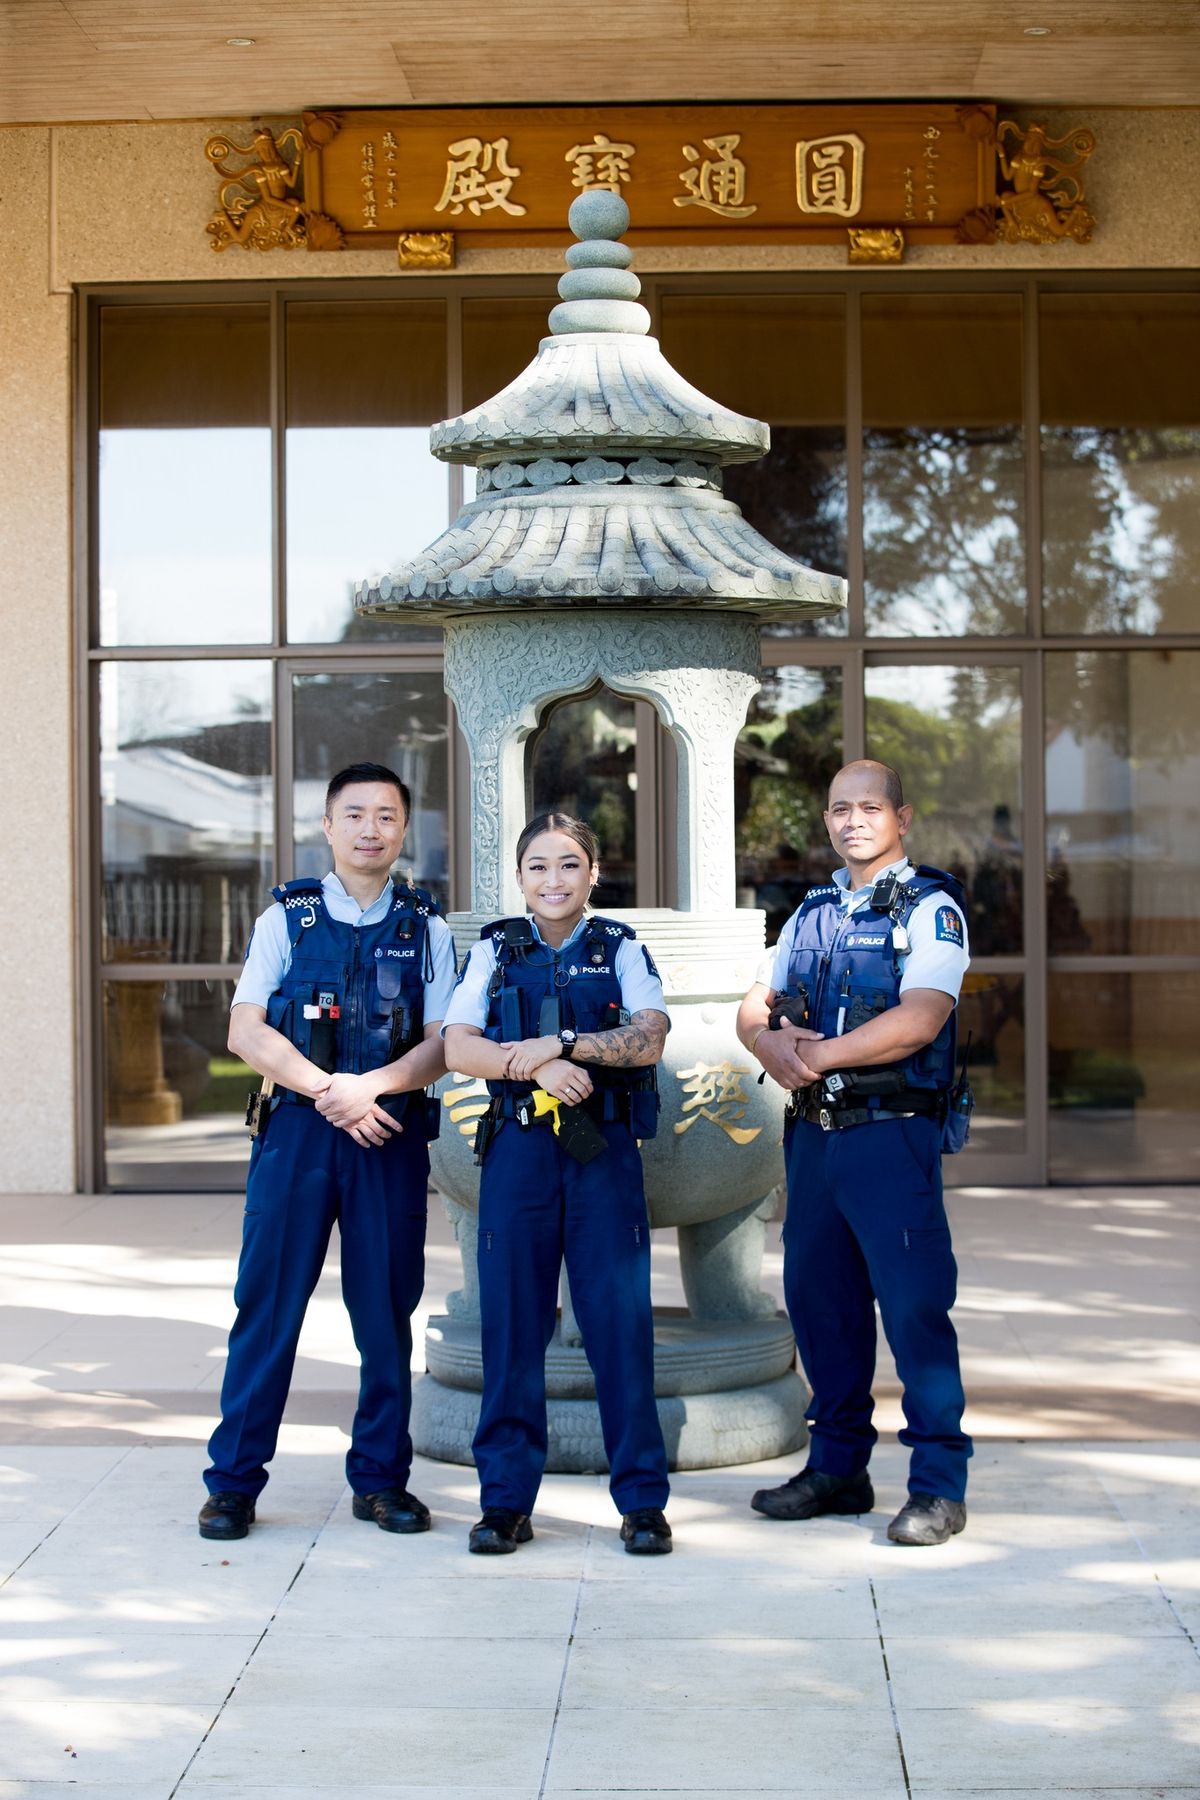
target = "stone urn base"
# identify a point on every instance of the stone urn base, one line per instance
(726, 1394)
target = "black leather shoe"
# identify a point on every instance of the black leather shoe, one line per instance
(645, 1532)
(927, 1519)
(812, 1493)
(499, 1532)
(226, 1516)
(393, 1509)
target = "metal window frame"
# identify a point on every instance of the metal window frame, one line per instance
(852, 653)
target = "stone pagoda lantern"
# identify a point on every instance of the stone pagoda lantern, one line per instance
(599, 549)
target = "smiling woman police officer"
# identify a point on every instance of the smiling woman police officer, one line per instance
(340, 1004)
(563, 1015)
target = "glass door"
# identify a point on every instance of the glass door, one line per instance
(955, 730)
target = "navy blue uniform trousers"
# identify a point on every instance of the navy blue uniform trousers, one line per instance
(537, 1208)
(866, 1221)
(305, 1174)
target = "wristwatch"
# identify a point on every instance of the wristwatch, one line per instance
(568, 1039)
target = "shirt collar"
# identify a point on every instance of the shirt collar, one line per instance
(582, 926)
(902, 870)
(333, 885)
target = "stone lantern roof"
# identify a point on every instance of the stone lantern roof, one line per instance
(599, 473)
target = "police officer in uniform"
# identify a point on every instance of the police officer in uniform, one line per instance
(854, 1014)
(562, 1013)
(340, 1006)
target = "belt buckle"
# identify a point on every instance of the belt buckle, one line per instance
(825, 1119)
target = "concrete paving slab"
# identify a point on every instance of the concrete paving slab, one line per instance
(782, 1606)
(105, 1741)
(46, 1482)
(81, 1789)
(19, 1541)
(1006, 1609)
(1056, 1621)
(715, 1672)
(236, 1790)
(316, 1748)
(1077, 1668)
(516, 1672)
(323, 1604)
(1054, 1744)
(171, 1668)
(696, 1751)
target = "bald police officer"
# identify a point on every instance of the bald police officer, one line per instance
(854, 1015)
(340, 1003)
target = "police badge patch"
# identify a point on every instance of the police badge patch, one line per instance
(948, 927)
(650, 963)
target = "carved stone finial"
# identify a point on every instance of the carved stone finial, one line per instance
(599, 291)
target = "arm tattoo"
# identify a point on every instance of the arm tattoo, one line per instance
(630, 1046)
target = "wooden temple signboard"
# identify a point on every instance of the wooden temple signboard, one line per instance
(872, 177)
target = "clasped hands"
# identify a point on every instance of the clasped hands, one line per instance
(541, 1060)
(782, 1056)
(351, 1103)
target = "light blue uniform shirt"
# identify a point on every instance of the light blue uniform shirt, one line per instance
(269, 952)
(641, 989)
(938, 956)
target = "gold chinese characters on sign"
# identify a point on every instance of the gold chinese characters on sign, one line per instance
(829, 175)
(747, 172)
(876, 177)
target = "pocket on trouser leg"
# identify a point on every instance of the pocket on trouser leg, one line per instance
(930, 1264)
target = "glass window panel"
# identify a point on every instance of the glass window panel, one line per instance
(992, 1010)
(583, 761)
(365, 381)
(184, 499)
(1124, 1059)
(395, 719)
(1123, 802)
(499, 339)
(185, 808)
(953, 733)
(781, 358)
(943, 464)
(787, 753)
(1120, 386)
(174, 1096)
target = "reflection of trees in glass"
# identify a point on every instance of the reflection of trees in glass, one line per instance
(959, 757)
(392, 718)
(1122, 542)
(784, 763)
(581, 762)
(796, 497)
(942, 530)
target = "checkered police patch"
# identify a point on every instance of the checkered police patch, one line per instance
(948, 927)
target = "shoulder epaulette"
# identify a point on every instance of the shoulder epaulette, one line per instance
(928, 880)
(495, 930)
(298, 893)
(408, 898)
(828, 890)
(597, 923)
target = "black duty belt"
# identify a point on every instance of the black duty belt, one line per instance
(832, 1114)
